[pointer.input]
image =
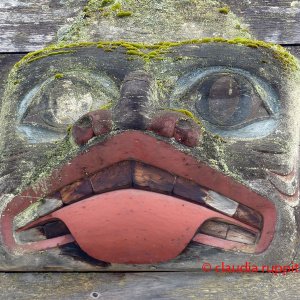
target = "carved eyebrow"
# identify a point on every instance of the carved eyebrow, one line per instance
(153, 51)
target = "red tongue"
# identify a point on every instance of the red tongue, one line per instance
(133, 226)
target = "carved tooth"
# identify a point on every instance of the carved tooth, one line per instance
(248, 215)
(115, 177)
(189, 190)
(30, 235)
(229, 232)
(152, 178)
(221, 203)
(214, 228)
(36, 210)
(76, 191)
(240, 235)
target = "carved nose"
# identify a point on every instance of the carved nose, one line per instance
(137, 109)
(136, 103)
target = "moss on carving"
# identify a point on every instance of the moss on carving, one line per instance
(224, 10)
(116, 6)
(37, 178)
(105, 8)
(106, 106)
(107, 2)
(58, 75)
(36, 55)
(123, 13)
(93, 19)
(156, 51)
(190, 115)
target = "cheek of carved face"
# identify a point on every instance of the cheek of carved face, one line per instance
(155, 156)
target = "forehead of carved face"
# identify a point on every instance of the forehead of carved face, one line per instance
(204, 130)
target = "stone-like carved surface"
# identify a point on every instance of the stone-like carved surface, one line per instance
(210, 124)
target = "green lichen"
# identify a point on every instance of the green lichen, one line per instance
(93, 6)
(69, 129)
(188, 114)
(58, 75)
(117, 6)
(105, 8)
(224, 10)
(54, 158)
(107, 2)
(33, 56)
(106, 106)
(156, 51)
(123, 13)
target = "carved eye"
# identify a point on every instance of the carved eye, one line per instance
(58, 102)
(230, 102)
(227, 100)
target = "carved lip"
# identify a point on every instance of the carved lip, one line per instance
(138, 146)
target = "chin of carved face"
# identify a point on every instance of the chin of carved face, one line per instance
(190, 159)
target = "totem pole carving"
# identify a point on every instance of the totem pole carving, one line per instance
(153, 134)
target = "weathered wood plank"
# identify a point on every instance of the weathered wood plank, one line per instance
(269, 20)
(30, 25)
(6, 63)
(146, 286)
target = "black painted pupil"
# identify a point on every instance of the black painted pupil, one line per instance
(223, 99)
(228, 100)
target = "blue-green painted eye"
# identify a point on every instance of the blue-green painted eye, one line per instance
(230, 102)
(50, 107)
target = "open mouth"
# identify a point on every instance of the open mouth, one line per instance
(135, 199)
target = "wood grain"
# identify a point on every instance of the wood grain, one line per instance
(146, 286)
(27, 25)
(30, 25)
(269, 20)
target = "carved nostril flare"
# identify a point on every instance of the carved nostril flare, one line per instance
(177, 125)
(92, 124)
(136, 103)
(187, 132)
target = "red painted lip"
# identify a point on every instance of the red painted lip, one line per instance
(139, 146)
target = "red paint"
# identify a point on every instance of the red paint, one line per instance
(187, 132)
(164, 123)
(136, 145)
(134, 226)
(82, 135)
(92, 124)
(174, 124)
(101, 121)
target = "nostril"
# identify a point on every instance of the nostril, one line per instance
(92, 124)
(164, 124)
(187, 132)
(82, 130)
(177, 125)
(101, 121)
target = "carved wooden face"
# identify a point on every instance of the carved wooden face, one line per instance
(118, 155)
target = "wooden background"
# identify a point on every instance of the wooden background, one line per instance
(27, 25)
